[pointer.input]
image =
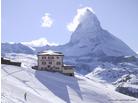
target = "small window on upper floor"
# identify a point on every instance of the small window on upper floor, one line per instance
(43, 57)
(57, 57)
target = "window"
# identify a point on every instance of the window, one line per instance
(57, 57)
(52, 57)
(50, 62)
(48, 57)
(43, 63)
(43, 57)
(58, 63)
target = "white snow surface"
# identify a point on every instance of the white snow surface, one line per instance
(25, 85)
(39, 43)
(131, 82)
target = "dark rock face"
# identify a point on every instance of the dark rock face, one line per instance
(119, 59)
(128, 91)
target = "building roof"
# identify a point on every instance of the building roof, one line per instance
(50, 52)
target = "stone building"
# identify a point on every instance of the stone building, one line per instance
(53, 61)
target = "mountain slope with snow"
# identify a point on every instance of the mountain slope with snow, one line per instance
(16, 48)
(21, 85)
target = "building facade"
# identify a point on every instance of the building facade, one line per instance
(53, 61)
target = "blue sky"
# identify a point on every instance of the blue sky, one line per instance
(22, 19)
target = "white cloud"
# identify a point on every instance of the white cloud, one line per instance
(76, 20)
(46, 21)
(39, 43)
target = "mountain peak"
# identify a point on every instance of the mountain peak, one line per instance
(84, 16)
(88, 21)
(88, 24)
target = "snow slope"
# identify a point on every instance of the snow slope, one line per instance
(40, 86)
(25, 85)
(112, 73)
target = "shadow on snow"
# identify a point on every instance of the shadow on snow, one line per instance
(58, 84)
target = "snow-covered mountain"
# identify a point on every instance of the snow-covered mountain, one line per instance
(89, 46)
(15, 48)
(90, 42)
(39, 43)
(25, 47)
(90, 39)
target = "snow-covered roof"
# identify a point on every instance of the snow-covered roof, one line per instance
(50, 52)
(65, 65)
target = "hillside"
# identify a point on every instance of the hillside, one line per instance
(25, 85)
(40, 86)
